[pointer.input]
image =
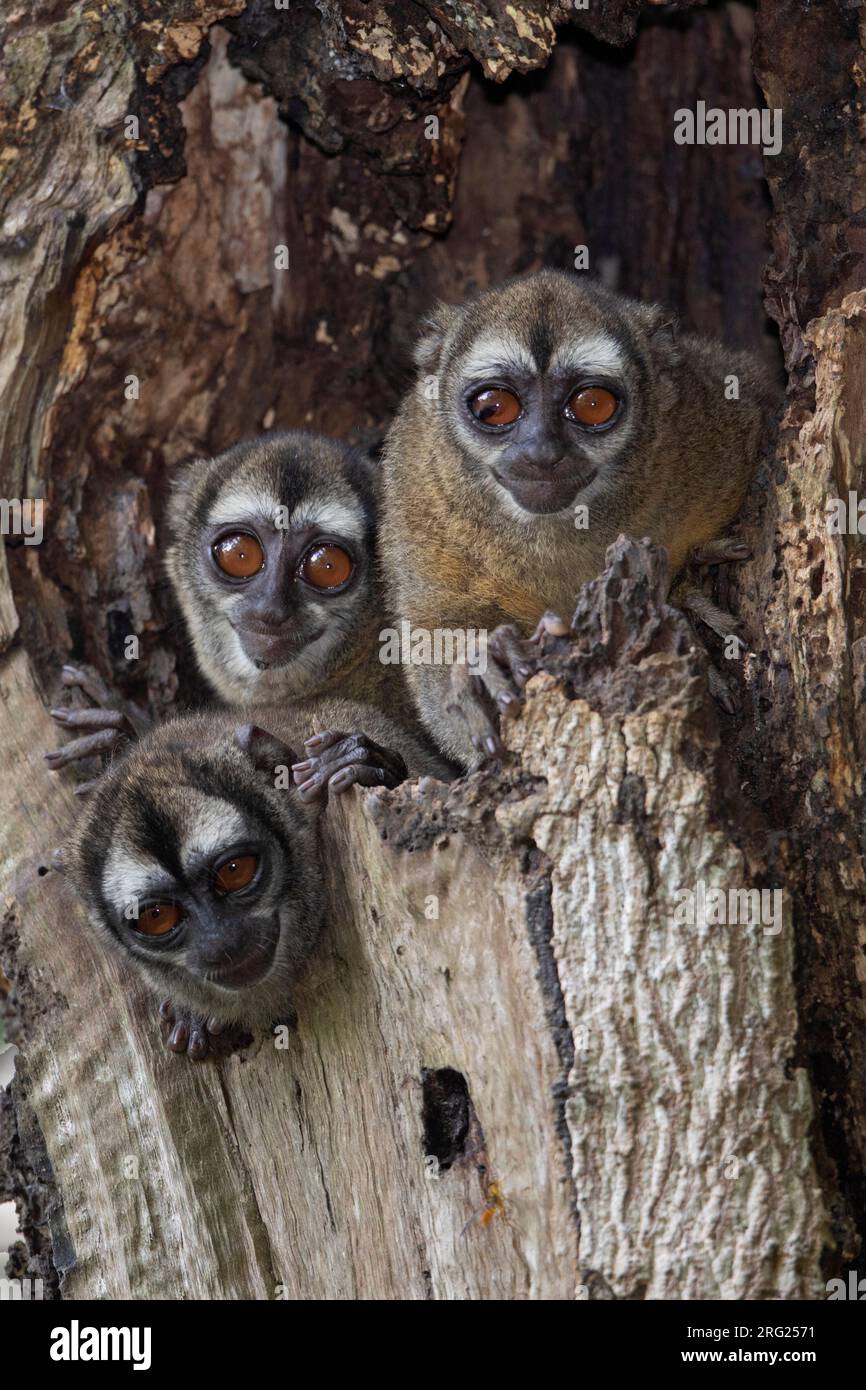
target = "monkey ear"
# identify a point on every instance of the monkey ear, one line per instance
(661, 325)
(265, 751)
(662, 329)
(436, 327)
(365, 465)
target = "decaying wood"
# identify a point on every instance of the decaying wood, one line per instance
(625, 1134)
(617, 1105)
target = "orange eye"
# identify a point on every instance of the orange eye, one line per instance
(493, 405)
(326, 566)
(234, 874)
(592, 405)
(240, 555)
(158, 919)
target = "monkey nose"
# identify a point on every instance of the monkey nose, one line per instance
(543, 460)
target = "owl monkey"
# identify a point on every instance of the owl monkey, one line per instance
(272, 562)
(198, 855)
(549, 416)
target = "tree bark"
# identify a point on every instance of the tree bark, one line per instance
(515, 1072)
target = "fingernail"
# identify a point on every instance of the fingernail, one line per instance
(506, 698)
(178, 1037)
(313, 741)
(492, 745)
(308, 786)
(61, 714)
(304, 766)
(166, 1010)
(341, 779)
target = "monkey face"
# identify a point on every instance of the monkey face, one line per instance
(272, 561)
(544, 388)
(201, 870)
(280, 590)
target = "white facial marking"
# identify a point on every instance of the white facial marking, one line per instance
(494, 351)
(211, 824)
(597, 352)
(242, 503)
(327, 514)
(126, 876)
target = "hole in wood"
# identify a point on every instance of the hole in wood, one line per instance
(445, 1111)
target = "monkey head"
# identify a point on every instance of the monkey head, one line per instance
(196, 864)
(271, 559)
(548, 388)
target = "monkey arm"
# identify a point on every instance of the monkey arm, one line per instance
(462, 705)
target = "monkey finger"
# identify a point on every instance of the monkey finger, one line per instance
(178, 1038)
(719, 689)
(720, 550)
(361, 775)
(325, 739)
(103, 742)
(501, 687)
(724, 624)
(85, 788)
(90, 718)
(516, 659)
(550, 625)
(85, 678)
(479, 729)
(199, 1044)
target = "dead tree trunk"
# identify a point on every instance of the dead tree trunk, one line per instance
(517, 1072)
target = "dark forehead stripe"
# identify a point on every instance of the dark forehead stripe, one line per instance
(155, 834)
(541, 342)
(220, 780)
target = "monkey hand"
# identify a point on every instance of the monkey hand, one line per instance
(108, 726)
(479, 700)
(337, 761)
(185, 1031)
(698, 606)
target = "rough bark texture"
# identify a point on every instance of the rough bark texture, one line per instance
(618, 1106)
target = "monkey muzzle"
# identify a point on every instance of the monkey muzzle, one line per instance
(543, 492)
(270, 647)
(236, 964)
